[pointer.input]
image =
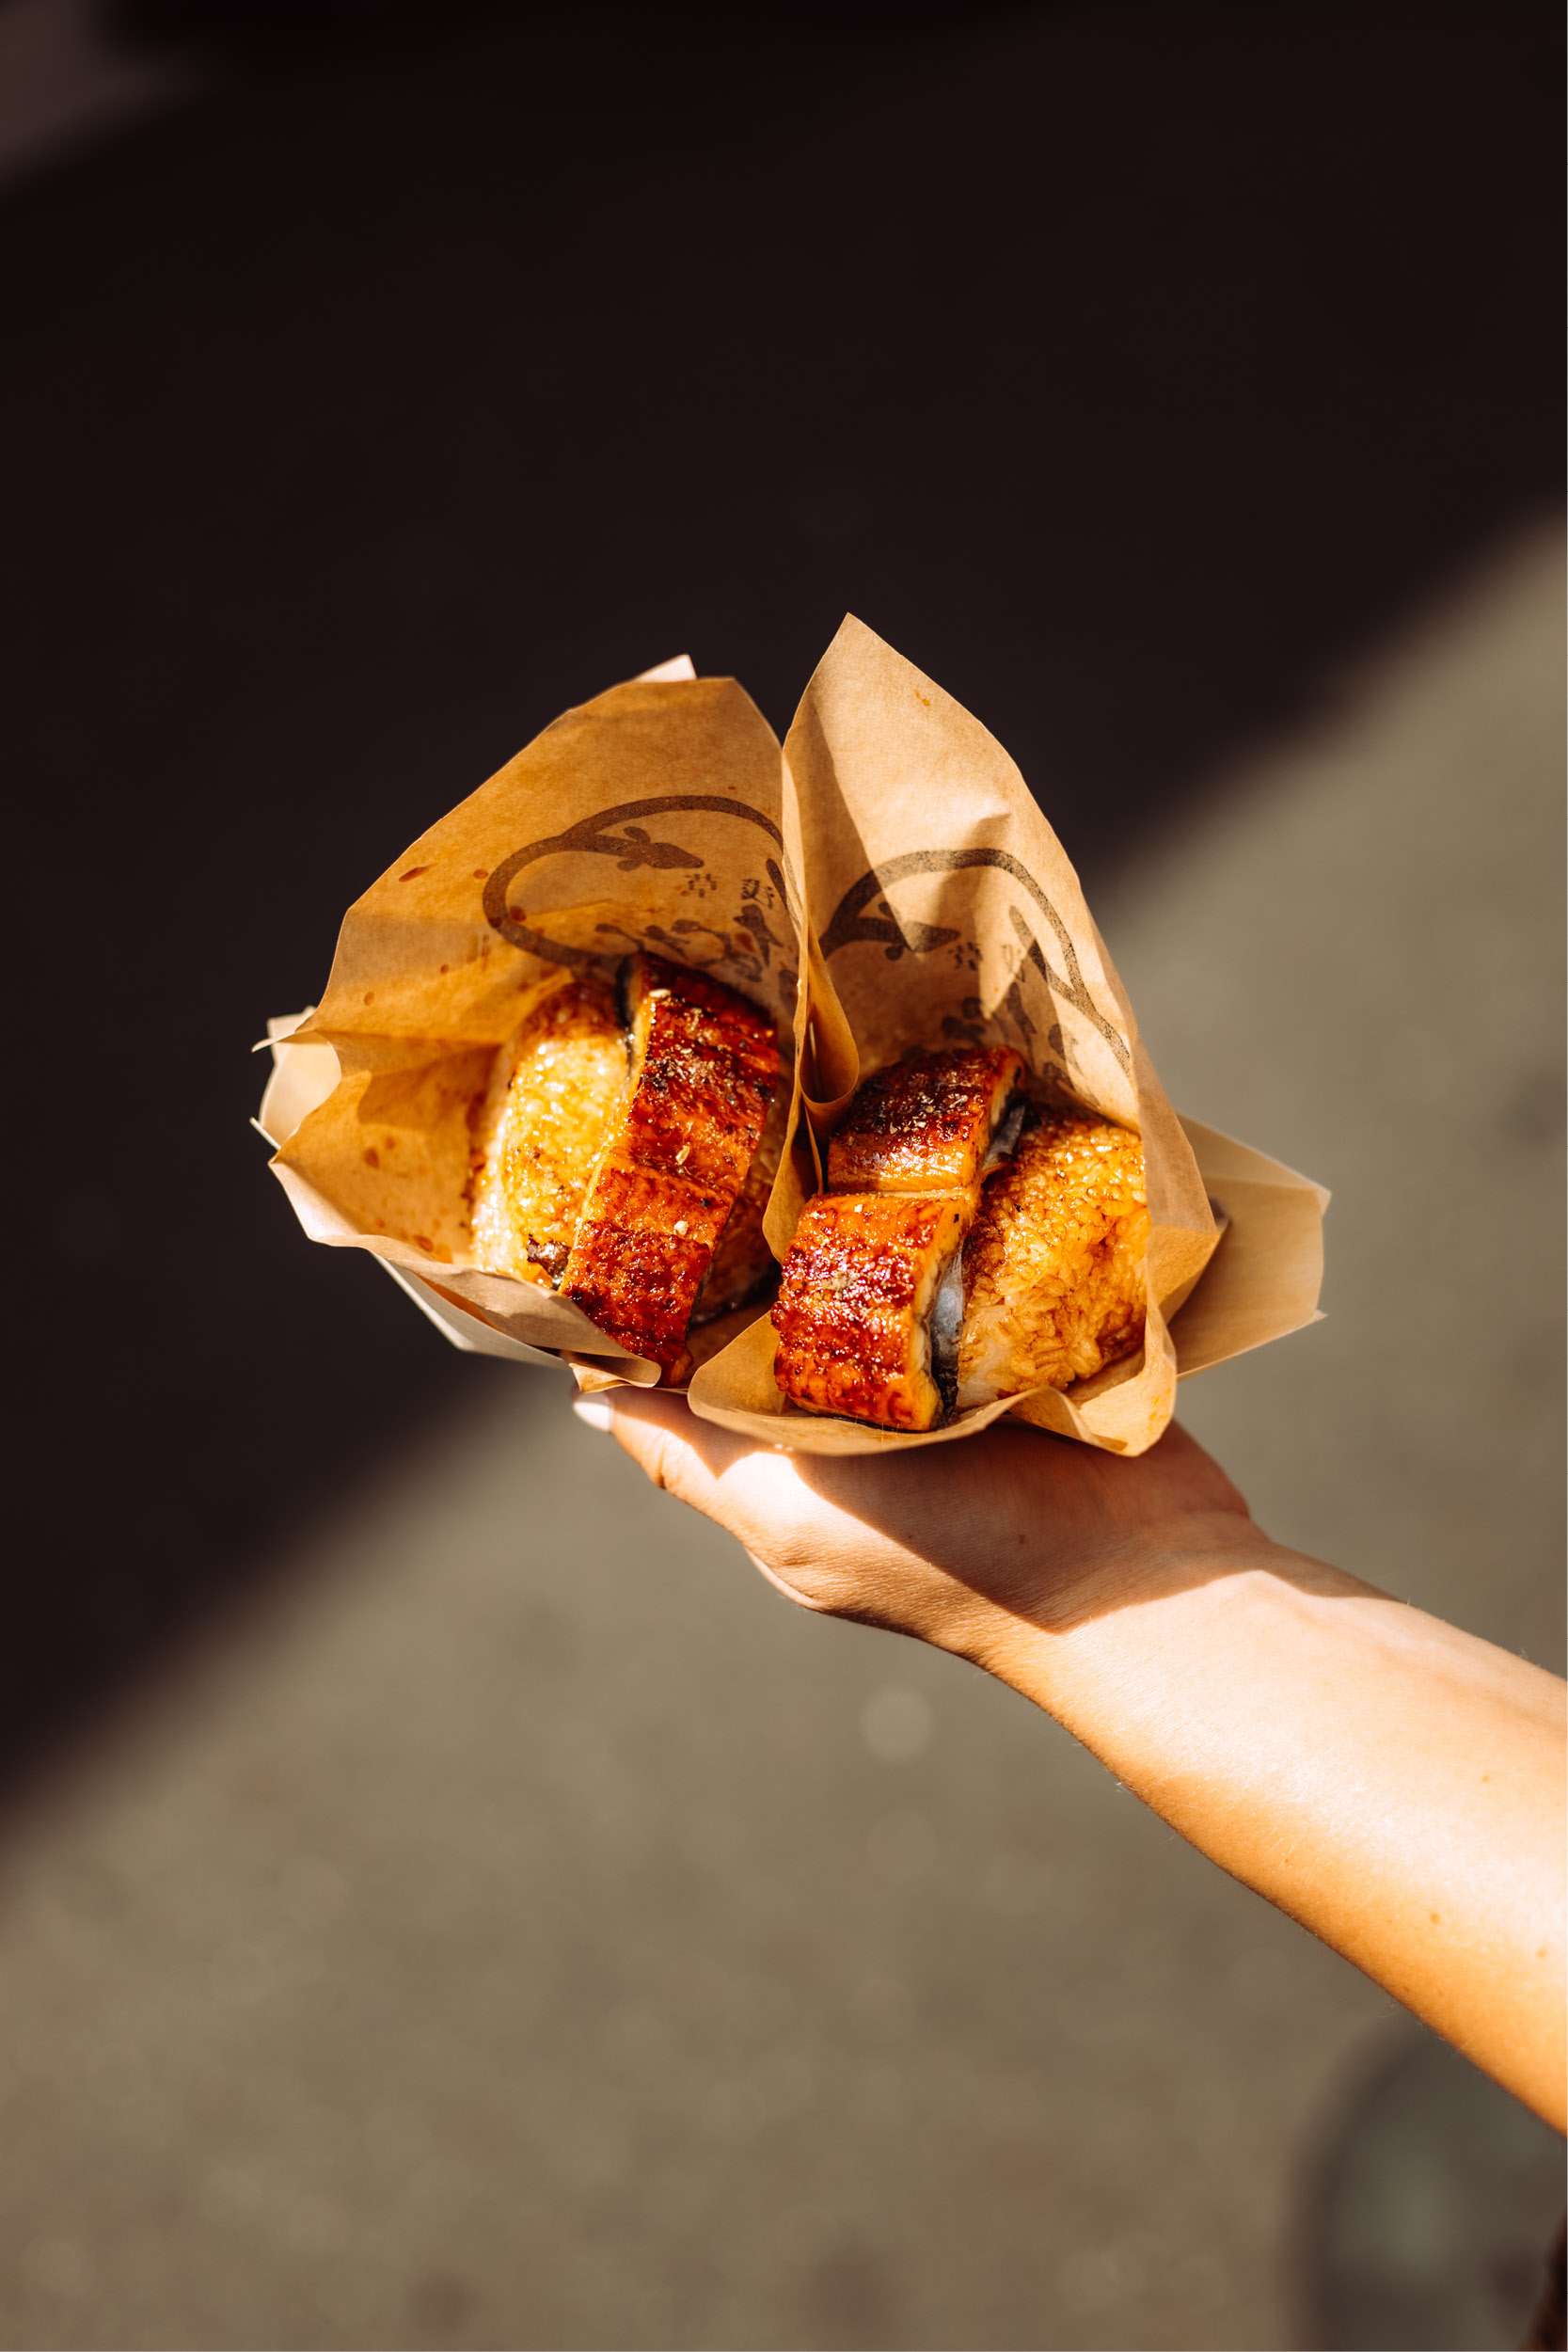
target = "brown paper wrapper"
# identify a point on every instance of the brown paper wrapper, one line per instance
(659, 814)
(947, 912)
(885, 882)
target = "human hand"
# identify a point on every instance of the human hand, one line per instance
(968, 1545)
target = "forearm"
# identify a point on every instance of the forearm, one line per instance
(1395, 1785)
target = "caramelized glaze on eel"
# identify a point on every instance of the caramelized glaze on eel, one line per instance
(618, 1139)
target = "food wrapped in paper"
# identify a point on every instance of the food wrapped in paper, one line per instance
(885, 883)
(948, 915)
(650, 830)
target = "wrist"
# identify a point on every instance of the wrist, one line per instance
(1065, 1624)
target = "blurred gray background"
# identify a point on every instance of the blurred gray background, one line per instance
(445, 1897)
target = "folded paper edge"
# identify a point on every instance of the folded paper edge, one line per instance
(1286, 1272)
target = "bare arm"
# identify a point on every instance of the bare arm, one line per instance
(1396, 1784)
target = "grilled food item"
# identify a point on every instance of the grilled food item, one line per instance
(926, 1124)
(742, 1261)
(1054, 1269)
(968, 1247)
(871, 1295)
(618, 1135)
(555, 1091)
(704, 1068)
(869, 1304)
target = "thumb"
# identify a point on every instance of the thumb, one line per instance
(665, 1438)
(731, 1480)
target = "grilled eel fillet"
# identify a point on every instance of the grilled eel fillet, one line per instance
(742, 1261)
(554, 1091)
(1053, 1268)
(704, 1068)
(923, 1125)
(857, 1301)
(870, 1297)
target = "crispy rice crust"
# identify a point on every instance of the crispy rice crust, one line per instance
(1053, 1268)
(926, 1124)
(855, 1297)
(557, 1089)
(706, 1068)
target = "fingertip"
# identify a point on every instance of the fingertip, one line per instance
(665, 1408)
(658, 1428)
(596, 1412)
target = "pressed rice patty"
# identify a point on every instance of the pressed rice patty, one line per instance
(1053, 1268)
(557, 1087)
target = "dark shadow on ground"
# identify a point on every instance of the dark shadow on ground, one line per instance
(1431, 2210)
(1131, 368)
